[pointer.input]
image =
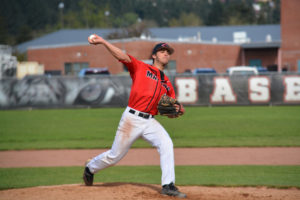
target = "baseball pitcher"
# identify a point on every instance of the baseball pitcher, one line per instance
(151, 93)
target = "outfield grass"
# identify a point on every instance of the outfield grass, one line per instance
(271, 176)
(199, 127)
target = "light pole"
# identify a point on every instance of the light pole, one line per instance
(61, 6)
(106, 13)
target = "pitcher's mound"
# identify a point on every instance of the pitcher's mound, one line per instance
(133, 191)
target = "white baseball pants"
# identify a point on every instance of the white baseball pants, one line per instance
(130, 128)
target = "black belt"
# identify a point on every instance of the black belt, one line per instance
(143, 115)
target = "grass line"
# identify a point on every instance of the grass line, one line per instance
(200, 127)
(270, 176)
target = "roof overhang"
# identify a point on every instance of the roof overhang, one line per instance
(261, 45)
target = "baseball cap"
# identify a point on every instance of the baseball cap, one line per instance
(161, 46)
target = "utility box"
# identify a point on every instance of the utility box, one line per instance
(29, 68)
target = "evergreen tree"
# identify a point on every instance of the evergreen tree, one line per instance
(36, 17)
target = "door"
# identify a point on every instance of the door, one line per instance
(255, 62)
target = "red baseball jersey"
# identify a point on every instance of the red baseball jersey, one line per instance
(148, 85)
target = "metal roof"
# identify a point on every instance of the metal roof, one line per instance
(207, 34)
(257, 33)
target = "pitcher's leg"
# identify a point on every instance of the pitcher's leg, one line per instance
(106, 159)
(156, 135)
(167, 161)
(126, 134)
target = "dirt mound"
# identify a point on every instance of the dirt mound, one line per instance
(133, 191)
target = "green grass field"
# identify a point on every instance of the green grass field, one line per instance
(199, 127)
(271, 176)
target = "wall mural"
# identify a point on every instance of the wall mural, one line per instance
(113, 91)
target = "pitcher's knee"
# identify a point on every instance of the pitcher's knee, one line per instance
(167, 145)
(112, 159)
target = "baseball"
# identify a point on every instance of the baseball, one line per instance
(92, 36)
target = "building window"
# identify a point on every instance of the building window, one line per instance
(74, 68)
(255, 62)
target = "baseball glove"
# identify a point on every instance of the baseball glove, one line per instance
(167, 107)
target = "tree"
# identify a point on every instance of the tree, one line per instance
(215, 14)
(185, 19)
(269, 13)
(3, 32)
(43, 16)
(125, 21)
(87, 8)
(135, 30)
(24, 35)
(72, 20)
(239, 12)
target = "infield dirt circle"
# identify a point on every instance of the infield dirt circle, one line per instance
(136, 191)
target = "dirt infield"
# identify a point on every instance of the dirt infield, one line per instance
(129, 191)
(132, 191)
(136, 157)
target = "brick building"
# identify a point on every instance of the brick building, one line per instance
(290, 34)
(187, 56)
(216, 48)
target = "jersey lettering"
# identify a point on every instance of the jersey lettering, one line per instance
(148, 85)
(166, 86)
(151, 75)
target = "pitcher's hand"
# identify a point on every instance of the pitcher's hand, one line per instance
(95, 39)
